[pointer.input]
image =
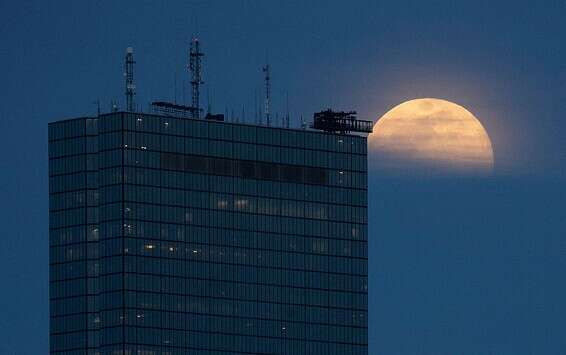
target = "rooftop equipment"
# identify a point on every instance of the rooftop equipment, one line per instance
(174, 110)
(214, 117)
(129, 75)
(340, 122)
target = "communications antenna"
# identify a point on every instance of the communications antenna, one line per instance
(129, 75)
(195, 66)
(267, 79)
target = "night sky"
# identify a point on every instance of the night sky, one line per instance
(457, 265)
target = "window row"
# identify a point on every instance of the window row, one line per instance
(246, 169)
(74, 269)
(279, 225)
(236, 273)
(73, 146)
(240, 133)
(74, 322)
(232, 255)
(75, 234)
(73, 164)
(73, 199)
(170, 311)
(72, 288)
(233, 185)
(244, 151)
(235, 205)
(246, 291)
(242, 246)
(171, 233)
(68, 341)
(158, 342)
(72, 128)
(77, 181)
(256, 325)
(73, 252)
(72, 217)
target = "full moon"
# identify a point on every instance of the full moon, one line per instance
(431, 134)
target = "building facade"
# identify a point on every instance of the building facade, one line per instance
(184, 236)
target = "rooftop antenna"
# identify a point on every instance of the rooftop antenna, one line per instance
(195, 58)
(267, 78)
(129, 75)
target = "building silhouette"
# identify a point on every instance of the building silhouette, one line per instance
(192, 236)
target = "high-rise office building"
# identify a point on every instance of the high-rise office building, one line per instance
(191, 236)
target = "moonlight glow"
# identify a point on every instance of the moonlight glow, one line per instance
(431, 133)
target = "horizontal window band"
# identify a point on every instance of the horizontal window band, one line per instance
(87, 244)
(197, 296)
(222, 333)
(227, 281)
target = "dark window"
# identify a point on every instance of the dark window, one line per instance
(244, 168)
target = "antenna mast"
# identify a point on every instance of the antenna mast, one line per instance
(267, 78)
(129, 75)
(195, 67)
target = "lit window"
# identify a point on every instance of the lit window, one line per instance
(222, 204)
(241, 203)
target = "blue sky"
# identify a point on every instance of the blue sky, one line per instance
(467, 266)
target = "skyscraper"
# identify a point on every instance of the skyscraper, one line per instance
(190, 236)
